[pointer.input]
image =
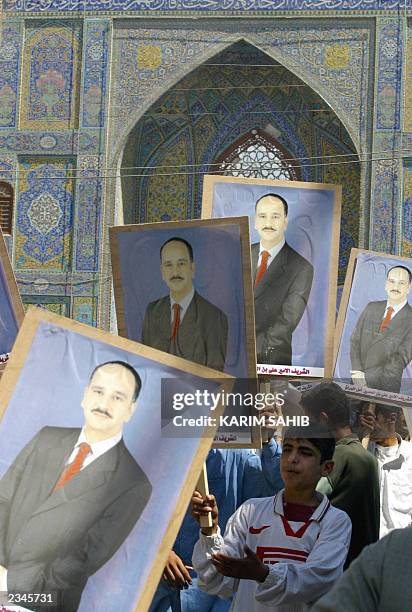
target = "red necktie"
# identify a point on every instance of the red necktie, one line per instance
(176, 321)
(75, 466)
(386, 319)
(262, 268)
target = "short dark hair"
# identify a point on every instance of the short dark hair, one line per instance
(183, 241)
(274, 195)
(387, 410)
(137, 379)
(402, 268)
(329, 398)
(317, 434)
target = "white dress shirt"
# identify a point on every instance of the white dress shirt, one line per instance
(395, 478)
(272, 252)
(184, 305)
(98, 448)
(396, 309)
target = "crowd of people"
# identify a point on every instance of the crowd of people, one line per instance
(319, 519)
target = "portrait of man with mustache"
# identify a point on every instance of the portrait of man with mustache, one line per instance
(381, 342)
(282, 282)
(184, 323)
(72, 495)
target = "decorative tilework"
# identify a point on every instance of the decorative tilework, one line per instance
(44, 213)
(407, 83)
(89, 203)
(85, 310)
(51, 76)
(61, 142)
(139, 71)
(389, 74)
(170, 194)
(10, 42)
(385, 206)
(95, 74)
(205, 7)
(334, 61)
(337, 60)
(7, 169)
(212, 120)
(39, 282)
(241, 120)
(347, 175)
(406, 241)
(59, 306)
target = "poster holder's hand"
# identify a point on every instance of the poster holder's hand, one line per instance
(204, 507)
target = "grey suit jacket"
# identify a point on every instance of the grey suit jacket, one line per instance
(377, 581)
(54, 540)
(382, 356)
(202, 334)
(280, 300)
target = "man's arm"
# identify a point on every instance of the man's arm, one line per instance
(87, 554)
(305, 582)
(176, 573)
(146, 336)
(387, 377)
(293, 307)
(8, 487)
(209, 579)
(355, 344)
(359, 587)
(216, 342)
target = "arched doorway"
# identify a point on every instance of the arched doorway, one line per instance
(239, 93)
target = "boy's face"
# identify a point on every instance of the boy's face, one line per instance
(300, 464)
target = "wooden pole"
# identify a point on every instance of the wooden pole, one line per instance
(203, 488)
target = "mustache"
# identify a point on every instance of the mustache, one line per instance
(102, 411)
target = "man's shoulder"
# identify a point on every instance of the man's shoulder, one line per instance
(375, 306)
(295, 258)
(406, 449)
(51, 434)
(257, 504)
(128, 465)
(397, 540)
(207, 307)
(355, 455)
(408, 309)
(157, 304)
(350, 445)
(337, 518)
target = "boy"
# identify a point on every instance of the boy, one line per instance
(283, 551)
(394, 457)
(353, 484)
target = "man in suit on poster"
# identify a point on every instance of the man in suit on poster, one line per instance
(184, 323)
(381, 343)
(282, 282)
(72, 496)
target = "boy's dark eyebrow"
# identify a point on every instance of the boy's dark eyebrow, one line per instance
(301, 445)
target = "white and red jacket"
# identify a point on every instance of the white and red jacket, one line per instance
(304, 559)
